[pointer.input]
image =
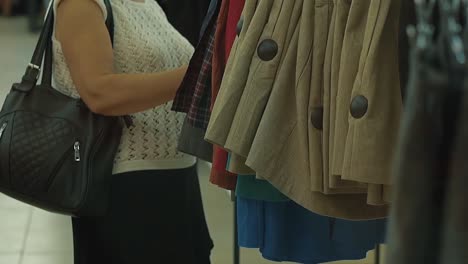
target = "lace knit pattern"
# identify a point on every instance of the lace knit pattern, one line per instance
(144, 42)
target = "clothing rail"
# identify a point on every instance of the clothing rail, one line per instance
(377, 254)
(236, 252)
(236, 248)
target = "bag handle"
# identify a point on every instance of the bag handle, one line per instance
(110, 20)
(33, 70)
(44, 51)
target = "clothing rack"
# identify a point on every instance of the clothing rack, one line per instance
(377, 254)
(236, 252)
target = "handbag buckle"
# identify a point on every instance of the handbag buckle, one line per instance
(29, 79)
(35, 67)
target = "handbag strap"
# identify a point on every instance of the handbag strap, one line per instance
(47, 66)
(33, 70)
(110, 20)
(44, 51)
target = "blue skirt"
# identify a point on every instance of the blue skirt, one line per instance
(285, 231)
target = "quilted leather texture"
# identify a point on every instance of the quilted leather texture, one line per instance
(34, 139)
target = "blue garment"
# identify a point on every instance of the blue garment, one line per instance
(285, 231)
(248, 186)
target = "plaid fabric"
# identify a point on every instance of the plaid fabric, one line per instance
(219, 51)
(200, 109)
(222, 47)
(184, 94)
(194, 94)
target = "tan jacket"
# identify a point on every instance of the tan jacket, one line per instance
(273, 44)
(245, 66)
(337, 14)
(290, 138)
(348, 19)
(371, 139)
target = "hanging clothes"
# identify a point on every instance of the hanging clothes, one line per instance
(199, 88)
(219, 175)
(237, 165)
(285, 231)
(269, 113)
(186, 16)
(230, 100)
(229, 24)
(431, 158)
(334, 21)
(407, 17)
(248, 186)
(455, 238)
(256, 91)
(376, 105)
(192, 141)
(420, 150)
(194, 94)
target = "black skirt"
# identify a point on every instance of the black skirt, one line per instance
(154, 217)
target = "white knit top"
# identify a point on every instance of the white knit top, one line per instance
(144, 42)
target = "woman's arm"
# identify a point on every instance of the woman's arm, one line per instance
(87, 48)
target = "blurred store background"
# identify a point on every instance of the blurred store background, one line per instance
(32, 9)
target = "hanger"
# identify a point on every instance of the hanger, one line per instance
(465, 13)
(452, 30)
(424, 31)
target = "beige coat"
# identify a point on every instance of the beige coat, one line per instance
(344, 50)
(331, 68)
(283, 114)
(257, 90)
(339, 51)
(232, 86)
(370, 141)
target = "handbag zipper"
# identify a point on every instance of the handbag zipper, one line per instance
(2, 129)
(76, 147)
(77, 157)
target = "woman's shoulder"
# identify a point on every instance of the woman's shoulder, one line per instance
(100, 4)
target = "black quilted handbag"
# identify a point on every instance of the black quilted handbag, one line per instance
(55, 153)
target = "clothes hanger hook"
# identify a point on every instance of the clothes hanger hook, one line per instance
(424, 28)
(452, 29)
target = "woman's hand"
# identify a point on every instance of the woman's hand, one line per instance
(86, 44)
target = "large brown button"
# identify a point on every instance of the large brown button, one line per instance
(316, 117)
(359, 106)
(240, 24)
(267, 50)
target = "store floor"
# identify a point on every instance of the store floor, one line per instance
(32, 236)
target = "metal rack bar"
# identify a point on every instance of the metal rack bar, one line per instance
(236, 238)
(377, 254)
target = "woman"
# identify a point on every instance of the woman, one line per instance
(156, 214)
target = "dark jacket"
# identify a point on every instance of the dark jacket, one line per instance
(186, 16)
